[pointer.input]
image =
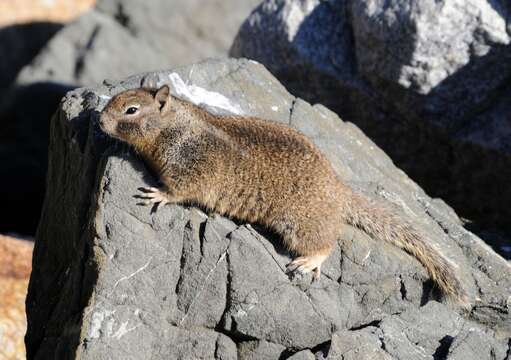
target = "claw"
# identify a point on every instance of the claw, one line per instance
(153, 196)
(316, 273)
(295, 264)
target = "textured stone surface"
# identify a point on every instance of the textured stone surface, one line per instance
(259, 350)
(113, 280)
(426, 80)
(364, 344)
(302, 355)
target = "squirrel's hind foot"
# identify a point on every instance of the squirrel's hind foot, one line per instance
(306, 264)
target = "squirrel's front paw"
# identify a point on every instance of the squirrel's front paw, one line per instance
(153, 196)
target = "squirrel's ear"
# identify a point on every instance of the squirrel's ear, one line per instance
(162, 96)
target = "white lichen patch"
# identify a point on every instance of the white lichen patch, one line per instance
(100, 320)
(123, 330)
(214, 102)
(103, 323)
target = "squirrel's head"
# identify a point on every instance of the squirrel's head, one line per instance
(136, 116)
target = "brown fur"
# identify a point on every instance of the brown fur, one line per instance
(258, 171)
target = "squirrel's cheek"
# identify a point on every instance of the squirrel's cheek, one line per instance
(105, 123)
(149, 126)
(107, 127)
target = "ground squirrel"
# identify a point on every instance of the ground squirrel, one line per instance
(258, 171)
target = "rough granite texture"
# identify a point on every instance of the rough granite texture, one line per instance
(111, 280)
(427, 80)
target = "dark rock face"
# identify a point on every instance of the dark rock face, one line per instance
(116, 39)
(23, 153)
(426, 80)
(112, 280)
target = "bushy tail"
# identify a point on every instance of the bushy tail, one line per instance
(383, 224)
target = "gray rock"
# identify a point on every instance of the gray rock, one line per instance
(89, 50)
(302, 355)
(364, 344)
(472, 343)
(426, 80)
(183, 32)
(259, 350)
(431, 333)
(450, 338)
(111, 279)
(120, 38)
(419, 44)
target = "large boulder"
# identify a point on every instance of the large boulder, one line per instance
(113, 280)
(112, 41)
(426, 80)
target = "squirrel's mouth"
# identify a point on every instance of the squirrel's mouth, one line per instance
(108, 128)
(103, 124)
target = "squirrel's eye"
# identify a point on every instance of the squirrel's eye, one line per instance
(131, 110)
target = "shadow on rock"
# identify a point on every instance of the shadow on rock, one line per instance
(25, 117)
